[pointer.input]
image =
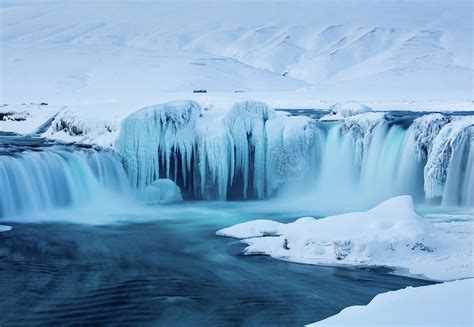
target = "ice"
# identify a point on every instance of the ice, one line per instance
(451, 150)
(425, 130)
(163, 191)
(248, 149)
(5, 228)
(150, 136)
(447, 304)
(391, 234)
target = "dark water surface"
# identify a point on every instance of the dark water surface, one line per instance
(166, 272)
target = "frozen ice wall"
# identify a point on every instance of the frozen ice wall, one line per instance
(246, 152)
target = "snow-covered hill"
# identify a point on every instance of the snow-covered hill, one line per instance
(72, 52)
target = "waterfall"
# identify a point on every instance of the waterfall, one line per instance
(56, 177)
(430, 159)
(252, 151)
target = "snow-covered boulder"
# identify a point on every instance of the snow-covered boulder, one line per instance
(163, 191)
(391, 234)
(5, 228)
(342, 110)
(69, 126)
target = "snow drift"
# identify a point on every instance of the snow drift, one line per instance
(391, 234)
(447, 304)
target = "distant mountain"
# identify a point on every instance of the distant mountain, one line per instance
(106, 51)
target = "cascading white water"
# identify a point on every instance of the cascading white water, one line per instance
(56, 177)
(252, 151)
(397, 160)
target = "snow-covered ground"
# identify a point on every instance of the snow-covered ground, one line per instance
(391, 234)
(307, 54)
(447, 304)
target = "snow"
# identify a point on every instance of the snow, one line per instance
(345, 109)
(5, 228)
(387, 54)
(163, 191)
(68, 126)
(446, 304)
(391, 234)
(26, 118)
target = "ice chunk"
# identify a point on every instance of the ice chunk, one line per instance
(163, 191)
(342, 110)
(5, 228)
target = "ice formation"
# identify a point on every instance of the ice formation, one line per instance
(391, 234)
(368, 157)
(215, 156)
(5, 228)
(450, 164)
(163, 191)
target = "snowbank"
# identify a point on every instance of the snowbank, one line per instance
(5, 228)
(69, 126)
(391, 234)
(447, 304)
(25, 118)
(342, 110)
(163, 191)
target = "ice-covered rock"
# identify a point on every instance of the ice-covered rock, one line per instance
(249, 150)
(163, 191)
(342, 110)
(151, 139)
(68, 126)
(451, 154)
(425, 129)
(360, 128)
(5, 228)
(391, 234)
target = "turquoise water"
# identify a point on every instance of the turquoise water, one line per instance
(166, 266)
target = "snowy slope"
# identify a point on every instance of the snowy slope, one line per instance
(71, 52)
(447, 304)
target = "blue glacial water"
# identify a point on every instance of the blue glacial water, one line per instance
(166, 266)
